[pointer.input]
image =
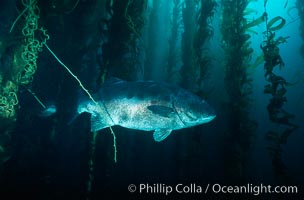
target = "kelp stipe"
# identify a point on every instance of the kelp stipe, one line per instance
(240, 128)
(123, 43)
(197, 18)
(204, 32)
(276, 87)
(173, 55)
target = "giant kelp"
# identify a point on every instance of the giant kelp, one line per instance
(173, 54)
(204, 31)
(122, 50)
(197, 18)
(156, 35)
(34, 38)
(24, 64)
(276, 87)
(188, 69)
(18, 65)
(238, 84)
(153, 35)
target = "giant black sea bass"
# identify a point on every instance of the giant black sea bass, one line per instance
(146, 105)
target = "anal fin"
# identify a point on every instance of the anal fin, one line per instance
(161, 134)
(98, 122)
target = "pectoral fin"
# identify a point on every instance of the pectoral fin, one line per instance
(98, 122)
(161, 134)
(163, 111)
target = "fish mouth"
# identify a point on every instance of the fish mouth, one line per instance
(209, 118)
(211, 115)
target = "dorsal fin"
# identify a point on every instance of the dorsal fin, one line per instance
(113, 80)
